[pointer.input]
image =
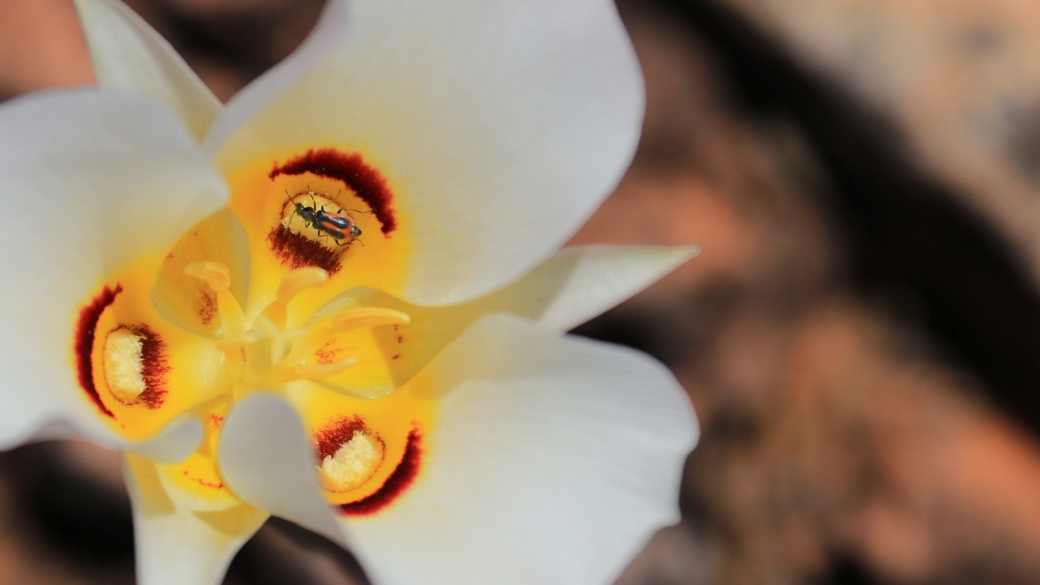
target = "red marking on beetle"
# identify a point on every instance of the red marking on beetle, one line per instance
(351, 170)
(84, 345)
(399, 481)
(154, 366)
(297, 251)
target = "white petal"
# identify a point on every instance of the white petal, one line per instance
(174, 443)
(499, 126)
(553, 461)
(581, 282)
(128, 54)
(327, 34)
(573, 286)
(266, 459)
(90, 180)
(183, 539)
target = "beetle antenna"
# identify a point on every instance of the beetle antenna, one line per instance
(289, 199)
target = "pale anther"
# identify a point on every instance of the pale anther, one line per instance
(124, 364)
(300, 280)
(318, 371)
(365, 392)
(367, 317)
(215, 274)
(234, 344)
(352, 464)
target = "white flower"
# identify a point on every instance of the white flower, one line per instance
(368, 338)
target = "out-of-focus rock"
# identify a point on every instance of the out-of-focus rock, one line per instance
(839, 445)
(961, 77)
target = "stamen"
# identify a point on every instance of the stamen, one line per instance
(218, 277)
(370, 393)
(235, 344)
(293, 284)
(353, 463)
(124, 365)
(344, 322)
(311, 342)
(215, 274)
(258, 358)
(317, 371)
(300, 280)
(367, 317)
(280, 341)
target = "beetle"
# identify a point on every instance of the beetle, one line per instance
(328, 223)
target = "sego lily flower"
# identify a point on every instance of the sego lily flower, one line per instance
(339, 298)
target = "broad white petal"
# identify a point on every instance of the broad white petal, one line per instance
(581, 282)
(327, 34)
(183, 539)
(174, 443)
(573, 286)
(91, 180)
(266, 458)
(553, 461)
(499, 126)
(128, 54)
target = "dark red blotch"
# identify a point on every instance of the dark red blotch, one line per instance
(395, 485)
(85, 331)
(366, 181)
(297, 251)
(341, 431)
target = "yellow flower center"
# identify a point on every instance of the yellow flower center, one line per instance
(259, 298)
(265, 353)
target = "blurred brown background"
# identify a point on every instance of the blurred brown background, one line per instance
(861, 335)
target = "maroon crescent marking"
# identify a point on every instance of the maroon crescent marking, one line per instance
(351, 170)
(85, 330)
(402, 477)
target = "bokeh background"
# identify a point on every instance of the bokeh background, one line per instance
(860, 336)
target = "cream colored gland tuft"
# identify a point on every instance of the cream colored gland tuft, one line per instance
(124, 366)
(353, 463)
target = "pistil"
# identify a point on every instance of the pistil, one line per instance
(266, 353)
